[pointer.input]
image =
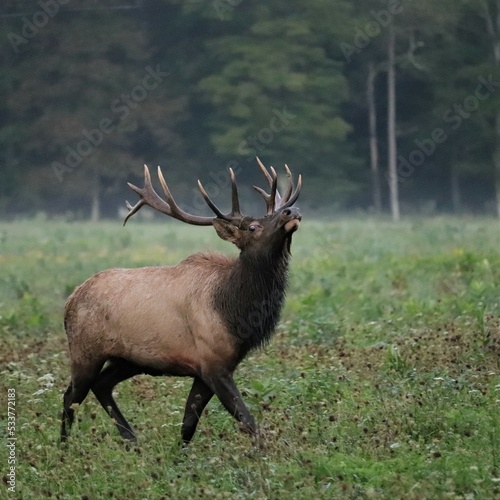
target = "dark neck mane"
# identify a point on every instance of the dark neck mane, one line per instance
(251, 297)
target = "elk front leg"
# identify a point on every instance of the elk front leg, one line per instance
(198, 398)
(224, 387)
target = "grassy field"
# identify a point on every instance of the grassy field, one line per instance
(382, 381)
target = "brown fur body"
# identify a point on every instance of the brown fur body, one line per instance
(182, 335)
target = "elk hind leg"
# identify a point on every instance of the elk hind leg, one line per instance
(75, 394)
(117, 371)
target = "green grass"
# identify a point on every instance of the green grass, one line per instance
(382, 381)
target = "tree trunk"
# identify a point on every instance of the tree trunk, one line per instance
(493, 27)
(95, 202)
(496, 162)
(372, 122)
(496, 153)
(391, 125)
(456, 195)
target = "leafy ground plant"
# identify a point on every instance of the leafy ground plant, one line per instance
(382, 380)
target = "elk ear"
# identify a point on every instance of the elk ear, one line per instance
(227, 231)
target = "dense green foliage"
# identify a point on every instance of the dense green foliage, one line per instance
(93, 90)
(383, 379)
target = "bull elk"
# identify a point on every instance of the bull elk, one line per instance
(196, 319)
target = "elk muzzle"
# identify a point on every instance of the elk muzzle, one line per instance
(291, 218)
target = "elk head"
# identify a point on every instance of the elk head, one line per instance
(253, 235)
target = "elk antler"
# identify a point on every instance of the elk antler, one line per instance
(274, 201)
(235, 212)
(169, 207)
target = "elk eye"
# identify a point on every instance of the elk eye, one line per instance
(252, 228)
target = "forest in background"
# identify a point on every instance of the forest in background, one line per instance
(384, 106)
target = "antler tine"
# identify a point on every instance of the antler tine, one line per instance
(267, 197)
(210, 203)
(273, 199)
(289, 188)
(175, 210)
(275, 196)
(295, 194)
(235, 201)
(132, 209)
(270, 177)
(264, 171)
